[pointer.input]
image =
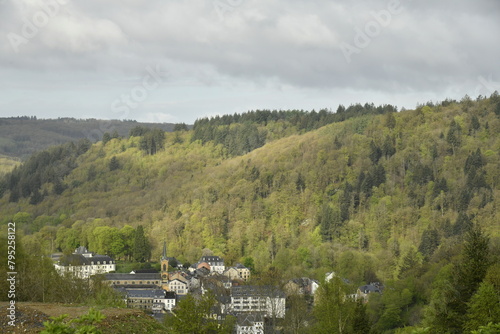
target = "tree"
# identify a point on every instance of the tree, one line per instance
(453, 136)
(142, 248)
(440, 315)
(192, 315)
(429, 242)
(296, 317)
(114, 164)
(360, 321)
(333, 311)
(471, 271)
(483, 308)
(180, 127)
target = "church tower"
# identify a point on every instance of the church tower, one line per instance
(164, 267)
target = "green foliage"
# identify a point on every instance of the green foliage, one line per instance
(372, 197)
(86, 324)
(488, 329)
(483, 308)
(153, 141)
(333, 312)
(114, 164)
(142, 248)
(194, 316)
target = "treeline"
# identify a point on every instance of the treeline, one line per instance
(242, 133)
(50, 166)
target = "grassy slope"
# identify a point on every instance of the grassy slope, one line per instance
(117, 321)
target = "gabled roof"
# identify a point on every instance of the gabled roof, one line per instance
(177, 279)
(369, 288)
(80, 260)
(257, 291)
(132, 277)
(248, 320)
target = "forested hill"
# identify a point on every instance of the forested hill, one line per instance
(374, 197)
(20, 137)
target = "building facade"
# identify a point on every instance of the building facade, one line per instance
(84, 264)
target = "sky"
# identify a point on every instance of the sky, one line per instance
(177, 61)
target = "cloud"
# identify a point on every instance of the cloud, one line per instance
(427, 47)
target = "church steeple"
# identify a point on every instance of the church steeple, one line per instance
(164, 266)
(164, 254)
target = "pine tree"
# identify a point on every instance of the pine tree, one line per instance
(483, 308)
(142, 248)
(114, 164)
(471, 271)
(360, 321)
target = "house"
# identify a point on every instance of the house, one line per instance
(238, 272)
(169, 302)
(145, 299)
(217, 284)
(83, 264)
(252, 323)
(216, 263)
(232, 273)
(263, 299)
(301, 286)
(179, 285)
(364, 291)
(243, 271)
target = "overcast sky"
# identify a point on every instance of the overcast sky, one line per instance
(176, 61)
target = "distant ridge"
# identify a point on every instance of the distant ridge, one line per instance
(22, 136)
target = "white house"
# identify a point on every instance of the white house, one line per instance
(265, 299)
(84, 264)
(216, 263)
(178, 285)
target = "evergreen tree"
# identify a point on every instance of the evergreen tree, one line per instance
(142, 248)
(471, 271)
(114, 164)
(429, 242)
(483, 308)
(360, 320)
(454, 136)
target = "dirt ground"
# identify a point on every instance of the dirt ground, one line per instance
(30, 316)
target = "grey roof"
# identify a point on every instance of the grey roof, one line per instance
(136, 286)
(258, 291)
(369, 288)
(132, 277)
(141, 293)
(146, 271)
(80, 260)
(209, 259)
(240, 266)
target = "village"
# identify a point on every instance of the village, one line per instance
(158, 292)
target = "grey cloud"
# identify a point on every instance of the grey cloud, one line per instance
(428, 46)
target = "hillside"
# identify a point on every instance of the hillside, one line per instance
(375, 197)
(20, 137)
